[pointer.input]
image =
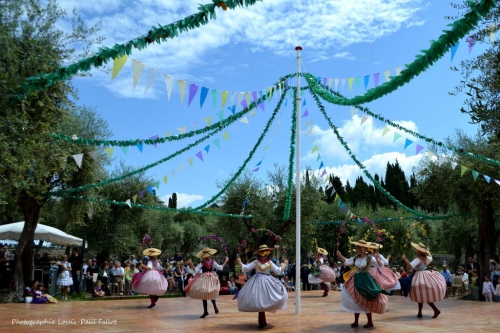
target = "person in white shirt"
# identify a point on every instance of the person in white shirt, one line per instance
(118, 276)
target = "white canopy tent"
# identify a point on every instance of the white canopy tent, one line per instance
(43, 232)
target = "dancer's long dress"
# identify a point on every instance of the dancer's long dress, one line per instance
(205, 285)
(361, 293)
(323, 273)
(426, 286)
(385, 278)
(262, 292)
(150, 282)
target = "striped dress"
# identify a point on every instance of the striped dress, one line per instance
(361, 282)
(384, 276)
(205, 284)
(426, 286)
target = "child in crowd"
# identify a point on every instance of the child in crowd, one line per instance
(232, 286)
(98, 292)
(474, 291)
(488, 290)
(40, 291)
(224, 286)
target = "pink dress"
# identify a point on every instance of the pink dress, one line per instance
(205, 285)
(426, 286)
(326, 273)
(151, 282)
(385, 278)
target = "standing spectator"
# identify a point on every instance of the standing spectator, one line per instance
(128, 278)
(304, 276)
(497, 290)
(169, 275)
(179, 275)
(178, 257)
(64, 278)
(224, 286)
(494, 269)
(118, 276)
(76, 262)
(474, 285)
(402, 272)
(488, 290)
(471, 265)
(133, 260)
(395, 271)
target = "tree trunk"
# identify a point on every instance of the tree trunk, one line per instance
(23, 268)
(487, 236)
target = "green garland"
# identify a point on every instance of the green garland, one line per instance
(437, 49)
(389, 219)
(155, 34)
(252, 152)
(289, 190)
(218, 125)
(423, 137)
(164, 208)
(362, 167)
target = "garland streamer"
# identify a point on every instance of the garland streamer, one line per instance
(164, 208)
(289, 190)
(155, 34)
(460, 28)
(368, 175)
(252, 152)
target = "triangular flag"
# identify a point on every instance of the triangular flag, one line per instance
(319, 157)
(262, 106)
(255, 98)
(305, 114)
(208, 120)
(247, 99)
(140, 145)
(150, 189)
(124, 149)
(387, 75)
(304, 102)
(350, 81)
(232, 97)
(137, 68)
(314, 149)
(153, 138)
(95, 154)
(463, 168)
(109, 151)
(385, 130)
(182, 89)
(78, 159)
(408, 142)
(207, 148)
(217, 143)
(134, 198)
(367, 80)
(224, 98)
(265, 148)
(226, 135)
(181, 167)
(215, 92)
(258, 163)
(441, 160)
(150, 79)
(220, 114)
(363, 119)
(141, 193)
(128, 203)
(353, 111)
(203, 96)
(453, 165)
(333, 192)
(492, 29)
(336, 84)
(165, 179)
(193, 89)
(376, 78)
(396, 137)
(454, 49)
(321, 165)
(182, 129)
(240, 97)
(199, 155)
(256, 169)
(475, 174)
(330, 81)
(233, 109)
(324, 172)
(118, 65)
(419, 149)
(398, 70)
(358, 82)
(244, 120)
(487, 178)
(252, 113)
(169, 81)
(190, 161)
(497, 181)
(157, 184)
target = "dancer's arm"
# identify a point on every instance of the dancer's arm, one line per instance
(341, 257)
(408, 264)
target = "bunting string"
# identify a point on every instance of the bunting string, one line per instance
(289, 190)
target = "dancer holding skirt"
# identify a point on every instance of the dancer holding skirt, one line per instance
(150, 279)
(322, 273)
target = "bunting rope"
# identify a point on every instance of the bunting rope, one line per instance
(437, 50)
(388, 219)
(289, 190)
(368, 175)
(155, 34)
(252, 152)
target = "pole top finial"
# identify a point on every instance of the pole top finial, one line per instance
(298, 48)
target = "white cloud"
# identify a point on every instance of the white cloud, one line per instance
(321, 56)
(274, 27)
(183, 200)
(415, 24)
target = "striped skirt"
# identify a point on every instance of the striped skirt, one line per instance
(326, 273)
(385, 278)
(427, 287)
(203, 286)
(352, 300)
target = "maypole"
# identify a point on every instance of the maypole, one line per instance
(297, 189)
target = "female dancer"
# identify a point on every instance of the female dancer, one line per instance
(150, 279)
(322, 273)
(426, 286)
(262, 292)
(205, 285)
(385, 277)
(361, 293)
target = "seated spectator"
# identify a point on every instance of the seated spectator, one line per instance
(288, 284)
(232, 286)
(179, 275)
(39, 297)
(89, 275)
(104, 277)
(238, 280)
(133, 260)
(128, 278)
(465, 279)
(224, 286)
(30, 291)
(98, 292)
(187, 268)
(169, 275)
(118, 276)
(446, 274)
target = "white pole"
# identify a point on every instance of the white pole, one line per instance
(297, 190)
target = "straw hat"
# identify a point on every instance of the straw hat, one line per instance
(264, 247)
(421, 247)
(151, 252)
(206, 252)
(322, 251)
(376, 245)
(364, 244)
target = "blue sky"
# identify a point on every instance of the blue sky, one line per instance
(248, 49)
